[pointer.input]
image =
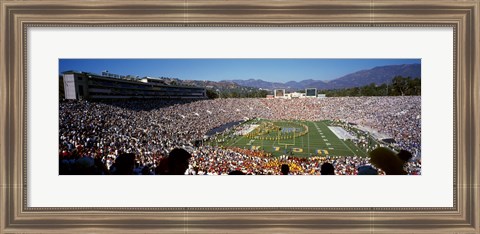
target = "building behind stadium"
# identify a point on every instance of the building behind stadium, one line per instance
(86, 85)
(309, 93)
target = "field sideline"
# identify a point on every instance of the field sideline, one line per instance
(318, 141)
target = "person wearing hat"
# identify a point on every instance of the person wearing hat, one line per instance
(387, 160)
(405, 155)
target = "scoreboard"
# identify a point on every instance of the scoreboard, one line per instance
(279, 93)
(310, 92)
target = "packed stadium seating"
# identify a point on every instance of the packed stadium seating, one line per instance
(96, 133)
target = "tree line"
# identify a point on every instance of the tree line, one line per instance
(237, 93)
(400, 86)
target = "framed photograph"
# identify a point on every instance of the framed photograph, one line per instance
(180, 116)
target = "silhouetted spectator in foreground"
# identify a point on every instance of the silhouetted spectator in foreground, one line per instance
(367, 170)
(405, 155)
(327, 169)
(124, 164)
(84, 166)
(100, 168)
(388, 161)
(236, 172)
(146, 170)
(285, 169)
(175, 164)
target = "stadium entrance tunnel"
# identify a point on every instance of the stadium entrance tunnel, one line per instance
(388, 140)
(222, 128)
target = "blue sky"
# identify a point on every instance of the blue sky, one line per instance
(277, 70)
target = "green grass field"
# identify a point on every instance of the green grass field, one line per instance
(319, 140)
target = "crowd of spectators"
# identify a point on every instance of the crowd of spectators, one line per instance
(398, 117)
(95, 134)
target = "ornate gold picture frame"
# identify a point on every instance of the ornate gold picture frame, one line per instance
(17, 16)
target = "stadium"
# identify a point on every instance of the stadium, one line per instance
(253, 136)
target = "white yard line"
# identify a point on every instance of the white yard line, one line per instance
(342, 142)
(235, 142)
(321, 134)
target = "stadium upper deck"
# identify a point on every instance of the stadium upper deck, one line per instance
(85, 85)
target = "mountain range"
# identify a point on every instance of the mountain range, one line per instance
(378, 75)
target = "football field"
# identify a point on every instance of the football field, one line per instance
(297, 138)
